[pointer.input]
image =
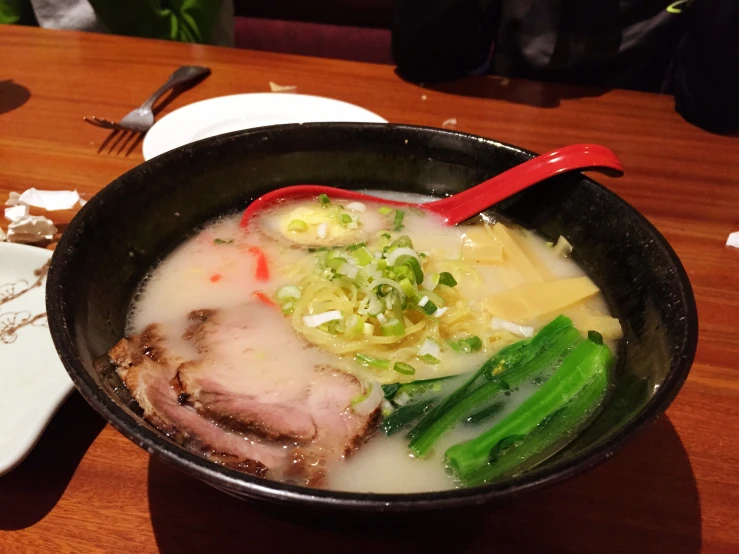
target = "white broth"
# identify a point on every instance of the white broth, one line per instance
(279, 261)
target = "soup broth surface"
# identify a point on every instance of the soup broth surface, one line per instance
(217, 268)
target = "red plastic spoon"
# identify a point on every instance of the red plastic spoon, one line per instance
(466, 204)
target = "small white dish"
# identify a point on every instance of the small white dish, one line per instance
(32, 378)
(224, 114)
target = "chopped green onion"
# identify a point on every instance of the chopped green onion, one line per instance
(335, 327)
(356, 246)
(363, 256)
(368, 329)
(323, 200)
(403, 368)
(402, 272)
(345, 218)
(354, 325)
(430, 281)
(596, 337)
(429, 307)
(394, 327)
(398, 220)
(416, 268)
(376, 306)
(335, 263)
(384, 210)
(403, 241)
(286, 292)
(446, 278)
(223, 241)
(369, 361)
(435, 298)
(348, 270)
(288, 307)
(429, 359)
(297, 226)
(407, 287)
(465, 346)
(386, 235)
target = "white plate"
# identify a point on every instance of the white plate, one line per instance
(224, 114)
(32, 379)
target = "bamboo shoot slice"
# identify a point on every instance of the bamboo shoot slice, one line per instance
(514, 255)
(481, 247)
(528, 302)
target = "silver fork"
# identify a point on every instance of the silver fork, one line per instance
(141, 119)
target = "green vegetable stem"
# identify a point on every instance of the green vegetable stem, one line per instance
(580, 379)
(510, 367)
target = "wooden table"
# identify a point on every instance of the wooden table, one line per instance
(674, 488)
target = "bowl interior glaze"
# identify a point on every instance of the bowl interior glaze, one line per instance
(130, 225)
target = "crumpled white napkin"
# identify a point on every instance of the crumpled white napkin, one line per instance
(32, 228)
(26, 228)
(50, 200)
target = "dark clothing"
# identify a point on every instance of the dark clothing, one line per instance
(689, 50)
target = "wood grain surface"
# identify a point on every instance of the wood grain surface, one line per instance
(673, 489)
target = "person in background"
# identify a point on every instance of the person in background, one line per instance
(202, 21)
(687, 48)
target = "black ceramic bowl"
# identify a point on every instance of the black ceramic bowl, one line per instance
(136, 220)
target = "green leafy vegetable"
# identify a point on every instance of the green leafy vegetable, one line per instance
(515, 363)
(584, 371)
(404, 416)
(390, 390)
(485, 414)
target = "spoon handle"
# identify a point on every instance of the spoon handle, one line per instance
(472, 201)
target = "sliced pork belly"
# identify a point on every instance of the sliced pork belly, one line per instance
(147, 369)
(253, 377)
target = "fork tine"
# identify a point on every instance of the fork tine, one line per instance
(96, 122)
(110, 124)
